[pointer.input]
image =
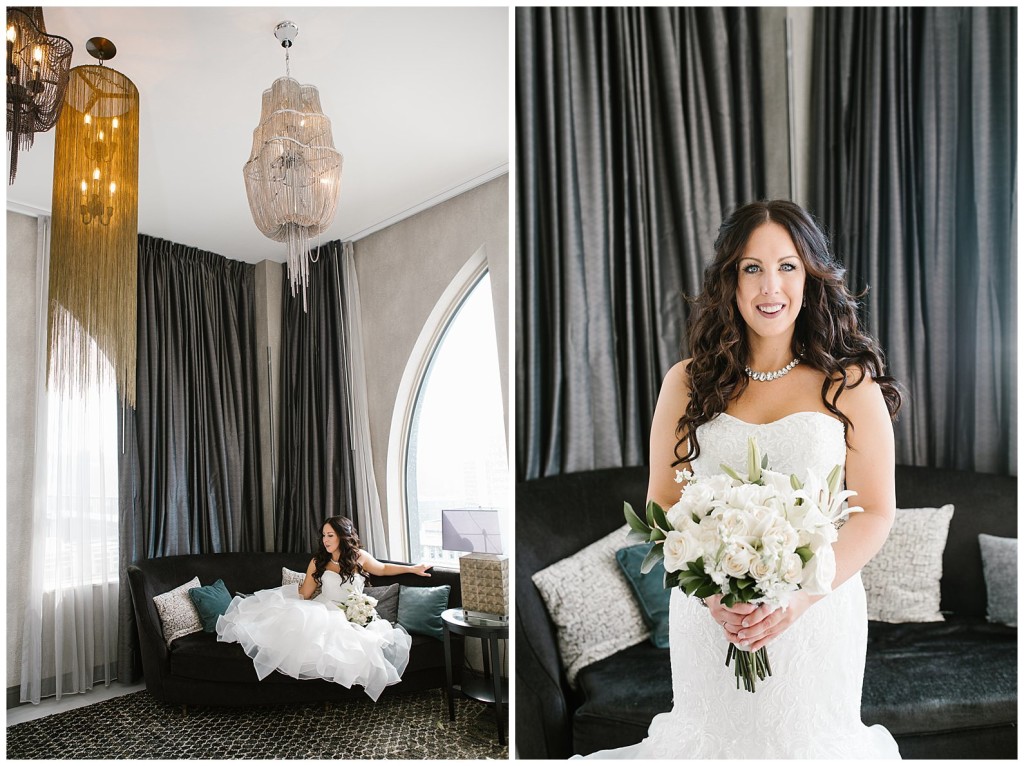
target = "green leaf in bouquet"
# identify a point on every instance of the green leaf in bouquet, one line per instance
(654, 555)
(657, 534)
(795, 482)
(805, 553)
(731, 473)
(697, 567)
(637, 537)
(634, 521)
(660, 520)
(689, 586)
(705, 590)
(744, 582)
(729, 600)
(764, 462)
(671, 580)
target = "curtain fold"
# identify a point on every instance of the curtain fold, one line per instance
(70, 620)
(190, 466)
(914, 155)
(637, 131)
(316, 475)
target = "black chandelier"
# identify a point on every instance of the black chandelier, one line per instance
(37, 75)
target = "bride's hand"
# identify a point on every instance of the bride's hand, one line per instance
(761, 625)
(730, 618)
(421, 569)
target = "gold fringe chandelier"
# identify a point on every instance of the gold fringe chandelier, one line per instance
(95, 231)
(293, 175)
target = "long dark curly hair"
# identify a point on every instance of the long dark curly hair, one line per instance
(826, 336)
(348, 557)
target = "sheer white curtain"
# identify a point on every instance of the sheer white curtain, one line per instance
(70, 640)
(370, 522)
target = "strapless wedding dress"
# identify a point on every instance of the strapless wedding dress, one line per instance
(810, 706)
(281, 631)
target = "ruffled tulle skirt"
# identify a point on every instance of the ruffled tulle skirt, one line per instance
(312, 639)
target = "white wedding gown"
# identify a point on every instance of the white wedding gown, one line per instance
(304, 639)
(810, 706)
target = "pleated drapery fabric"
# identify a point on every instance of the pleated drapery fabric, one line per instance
(190, 471)
(316, 474)
(637, 131)
(70, 623)
(914, 169)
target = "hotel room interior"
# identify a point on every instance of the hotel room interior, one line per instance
(215, 392)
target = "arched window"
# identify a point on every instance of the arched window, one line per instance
(455, 455)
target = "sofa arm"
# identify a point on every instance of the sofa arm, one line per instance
(155, 656)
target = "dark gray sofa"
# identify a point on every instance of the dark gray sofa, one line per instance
(199, 670)
(944, 690)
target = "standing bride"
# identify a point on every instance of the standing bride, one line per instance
(778, 355)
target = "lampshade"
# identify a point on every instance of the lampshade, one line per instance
(475, 530)
(293, 175)
(37, 75)
(94, 239)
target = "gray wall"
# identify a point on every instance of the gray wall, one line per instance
(402, 272)
(22, 304)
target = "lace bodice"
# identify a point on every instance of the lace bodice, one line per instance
(794, 444)
(334, 588)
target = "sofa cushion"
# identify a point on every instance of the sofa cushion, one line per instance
(902, 581)
(999, 560)
(387, 601)
(178, 615)
(651, 594)
(591, 605)
(419, 609)
(935, 677)
(211, 601)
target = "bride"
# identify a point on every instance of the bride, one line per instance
(287, 630)
(777, 354)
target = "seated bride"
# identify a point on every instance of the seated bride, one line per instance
(336, 635)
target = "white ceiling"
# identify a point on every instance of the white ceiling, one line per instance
(418, 99)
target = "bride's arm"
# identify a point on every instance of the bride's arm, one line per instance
(374, 567)
(871, 473)
(672, 401)
(308, 587)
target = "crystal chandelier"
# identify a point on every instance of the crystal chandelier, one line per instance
(293, 175)
(95, 229)
(37, 74)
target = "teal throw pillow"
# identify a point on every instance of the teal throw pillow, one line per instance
(211, 602)
(419, 609)
(651, 594)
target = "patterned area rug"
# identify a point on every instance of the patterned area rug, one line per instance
(413, 725)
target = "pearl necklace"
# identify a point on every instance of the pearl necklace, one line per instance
(767, 376)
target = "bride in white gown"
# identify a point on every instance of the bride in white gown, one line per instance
(287, 630)
(777, 354)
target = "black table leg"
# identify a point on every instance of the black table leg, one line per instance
(448, 672)
(496, 676)
(487, 661)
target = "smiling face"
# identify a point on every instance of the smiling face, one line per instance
(770, 282)
(330, 539)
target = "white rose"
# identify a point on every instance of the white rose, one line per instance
(778, 482)
(820, 571)
(697, 499)
(733, 523)
(717, 484)
(736, 559)
(761, 568)
(680, 549)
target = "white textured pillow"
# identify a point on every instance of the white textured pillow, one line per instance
(902, 580)
(591, 604)
(289, 576)
(178, 615)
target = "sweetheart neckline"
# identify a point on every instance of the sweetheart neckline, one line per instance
(784, 417)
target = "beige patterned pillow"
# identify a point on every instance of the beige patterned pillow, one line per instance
(902, 580)
(590, 602)
(178, 614)
(289, 576)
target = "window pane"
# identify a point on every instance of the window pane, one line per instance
(456, 456)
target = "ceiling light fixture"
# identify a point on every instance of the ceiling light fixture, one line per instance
(293, 175)
(37, 74)
(95, 228)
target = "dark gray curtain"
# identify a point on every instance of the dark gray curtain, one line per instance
(914, 161)
(637, 131)
(316, 474)
(189, 470)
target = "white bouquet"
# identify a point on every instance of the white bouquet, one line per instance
(359, 608)
(752, 539)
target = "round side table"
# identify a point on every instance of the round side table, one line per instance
(490, 689)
